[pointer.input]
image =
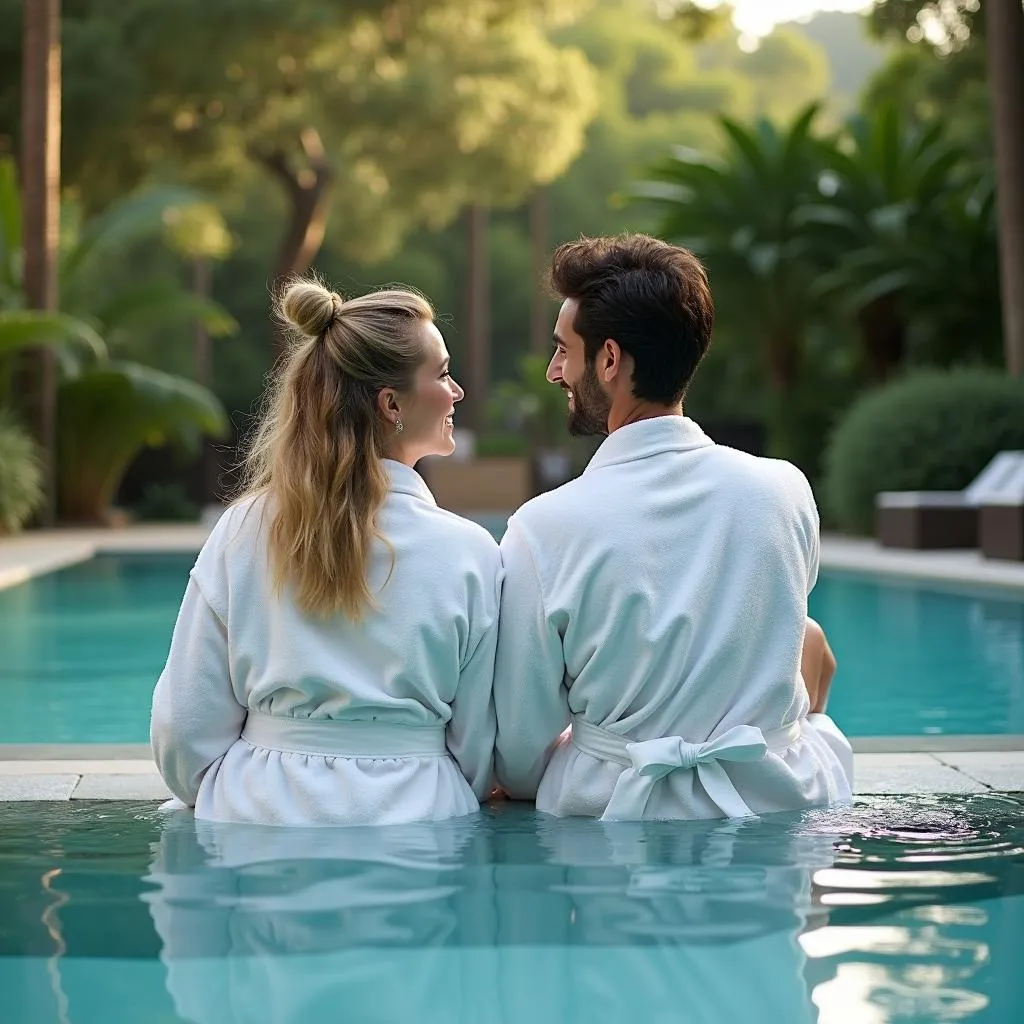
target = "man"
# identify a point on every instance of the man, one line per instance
(658, 603)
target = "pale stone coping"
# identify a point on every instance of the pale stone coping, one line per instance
(963, 771)
(928, 744)
(87, 752)
(42, 551)
(858, 555)
(60, 753)
(38, 552)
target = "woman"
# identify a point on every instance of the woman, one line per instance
(333, 657)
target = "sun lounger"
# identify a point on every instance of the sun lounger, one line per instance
(951, 519)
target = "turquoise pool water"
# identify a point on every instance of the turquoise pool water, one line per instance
(81, 649)
(897, 911)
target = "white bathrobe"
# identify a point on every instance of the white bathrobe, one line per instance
(658, 602)
(263, 714)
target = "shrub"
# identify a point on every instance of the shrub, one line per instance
(166, 502)
(932, 431)
(21, 475)
(494, 443)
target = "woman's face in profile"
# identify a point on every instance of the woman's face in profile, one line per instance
(428, 409)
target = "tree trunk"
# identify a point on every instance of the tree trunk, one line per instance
(1005, 35)
(478, 315)
(783, 357)
(40, 189)
(540, 319)
(203, 356)
(309, 197)
(884, 337)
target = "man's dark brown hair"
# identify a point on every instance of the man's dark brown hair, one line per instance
(651, 297)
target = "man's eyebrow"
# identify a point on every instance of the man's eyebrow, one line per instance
(557, 339)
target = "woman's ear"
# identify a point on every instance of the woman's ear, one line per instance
(387, 403)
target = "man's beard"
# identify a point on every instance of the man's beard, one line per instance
(588, 416)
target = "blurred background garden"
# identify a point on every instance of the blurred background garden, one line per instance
(837, 174)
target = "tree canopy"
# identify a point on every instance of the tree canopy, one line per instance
(397, 114)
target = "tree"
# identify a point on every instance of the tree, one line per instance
(40, 156)
(398, 113)
(952, 26)
(1006, 73)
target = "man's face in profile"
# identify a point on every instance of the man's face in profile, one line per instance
(588, 403)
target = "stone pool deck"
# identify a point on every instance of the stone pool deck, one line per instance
(137, 778)
(883, 765)
(42, 551)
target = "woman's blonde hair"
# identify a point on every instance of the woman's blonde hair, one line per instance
(317, 452)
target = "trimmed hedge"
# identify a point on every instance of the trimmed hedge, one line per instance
(21, 475)
(932, 431)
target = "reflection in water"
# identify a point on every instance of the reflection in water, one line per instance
(899, 909)
(825, 916)
(537, 919)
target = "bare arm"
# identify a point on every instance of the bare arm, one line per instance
(817, 666)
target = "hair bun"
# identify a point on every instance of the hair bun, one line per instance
(309, 307)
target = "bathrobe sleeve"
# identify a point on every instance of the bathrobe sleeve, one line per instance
(811, 526)
(470, 732)
(196, 716)
(530, 696)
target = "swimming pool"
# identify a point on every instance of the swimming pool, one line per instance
(899, 910)
(80, 651)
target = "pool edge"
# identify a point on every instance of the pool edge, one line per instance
(875, 773)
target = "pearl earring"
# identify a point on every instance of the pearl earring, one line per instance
(399, 426)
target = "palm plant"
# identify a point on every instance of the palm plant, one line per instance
(738, 211)
(107, 413)
(953, 298)
(21, 475)
(107, 410)
(886, 188)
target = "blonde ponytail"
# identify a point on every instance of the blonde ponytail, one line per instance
(317, 452)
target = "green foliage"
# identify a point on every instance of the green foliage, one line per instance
(889, 188)
(954, 292)
(10, 236)
(95, 301)
(420, 107)
(740, 213)
(107, 414)
(529, 407)
(926, 86)
(929, 431)
(166, 502)
(412, 109)
(493, 443)
(28, 328)
(108, 411)
(21, 475)
(945, 25)
(884, 231)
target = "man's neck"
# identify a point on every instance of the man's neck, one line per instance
(637, 411)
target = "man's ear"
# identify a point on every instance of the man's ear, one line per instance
(610, 362)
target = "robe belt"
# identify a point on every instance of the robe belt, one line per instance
(332, 737)
(647, 762)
